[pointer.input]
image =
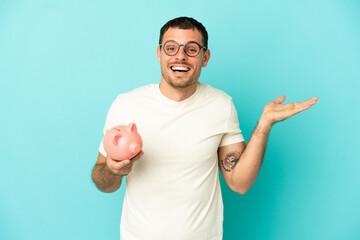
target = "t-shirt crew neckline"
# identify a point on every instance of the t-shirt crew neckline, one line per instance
(175, 103)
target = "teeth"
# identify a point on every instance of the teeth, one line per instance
(180, 68)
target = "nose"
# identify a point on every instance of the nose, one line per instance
(181, 55)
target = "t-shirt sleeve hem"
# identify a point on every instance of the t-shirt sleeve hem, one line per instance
(102, 150)
(231, 139)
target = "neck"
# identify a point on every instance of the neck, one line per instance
(177, 94)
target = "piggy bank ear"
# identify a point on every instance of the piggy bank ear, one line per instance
(131, 127)
(115, 138)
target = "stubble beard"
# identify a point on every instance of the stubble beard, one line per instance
(182, 84)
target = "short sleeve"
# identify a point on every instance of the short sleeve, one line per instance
(109, 122)
(233, 132)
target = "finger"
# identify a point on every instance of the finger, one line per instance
(280, 99)
(139, 155)
(129, 169)
(122, 164)
(291, 106)
(296, 108)
(125, 171)
(311, 101)
(306, 104)
(117, 163)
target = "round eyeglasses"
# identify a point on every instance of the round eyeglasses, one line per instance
(191, 49)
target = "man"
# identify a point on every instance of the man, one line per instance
(189, 130)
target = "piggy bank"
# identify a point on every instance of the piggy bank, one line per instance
(122, 142)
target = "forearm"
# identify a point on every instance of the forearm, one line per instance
(248, 168)
(105, 180)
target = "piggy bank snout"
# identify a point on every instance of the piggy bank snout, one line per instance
(135, 148)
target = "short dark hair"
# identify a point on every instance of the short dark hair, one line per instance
(185, 23)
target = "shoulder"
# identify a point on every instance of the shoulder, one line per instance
(140, 92)
(214, 93)
(147, 89)
(133, 97)
(215, 100)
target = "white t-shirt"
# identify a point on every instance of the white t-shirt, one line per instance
(173, 191)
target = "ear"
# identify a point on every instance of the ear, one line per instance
(115, 138)
(206, 57)
(158, 53)
(131, 127)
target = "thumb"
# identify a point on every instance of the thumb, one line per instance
(280, 99)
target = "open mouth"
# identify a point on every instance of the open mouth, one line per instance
(181, 69)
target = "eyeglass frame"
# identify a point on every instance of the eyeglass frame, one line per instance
(184, 46)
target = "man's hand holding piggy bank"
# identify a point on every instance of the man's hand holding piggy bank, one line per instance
(123, 145)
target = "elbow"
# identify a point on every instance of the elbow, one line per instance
(106, 189)
(242, 191)
(239, 190)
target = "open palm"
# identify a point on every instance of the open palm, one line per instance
(274, 111)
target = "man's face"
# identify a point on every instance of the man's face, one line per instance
(193, 65)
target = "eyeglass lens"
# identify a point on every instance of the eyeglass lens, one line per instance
(191, 49)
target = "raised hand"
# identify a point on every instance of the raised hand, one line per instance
(274, 111)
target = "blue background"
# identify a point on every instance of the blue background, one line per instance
(62, 63)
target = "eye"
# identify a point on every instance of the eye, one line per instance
(170, 47)
(192, 49)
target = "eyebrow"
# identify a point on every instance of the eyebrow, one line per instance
(182, 43)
